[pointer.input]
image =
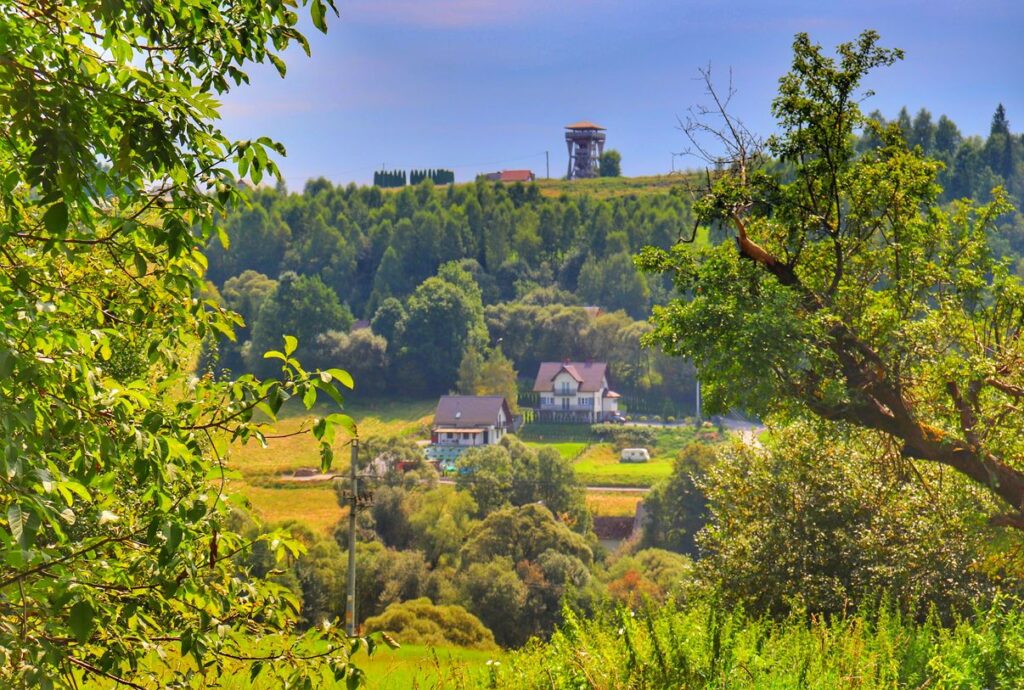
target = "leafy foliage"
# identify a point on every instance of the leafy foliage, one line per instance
(824, 525)
(853, 295)
(700, 645)
(676, 508)
(115, 533)
(610, 164)
(418, 621)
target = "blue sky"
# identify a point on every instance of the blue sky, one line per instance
(481, 85)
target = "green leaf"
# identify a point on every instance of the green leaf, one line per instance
(309, 397)
(342, 377)
(343, 420)
(80, 620)
(141, 265)
(317, 12)
(278, 63)
(355, 678)
(290, 344)
(274, 354)
(6, 363)
(15, 520)
(326, 457)
(56, 218)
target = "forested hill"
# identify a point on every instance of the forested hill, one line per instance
(367, 244)
(523, 262)
(974, 165)
(520, 266)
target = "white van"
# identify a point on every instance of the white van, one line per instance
(634, 455)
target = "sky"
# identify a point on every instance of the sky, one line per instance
(485, 85)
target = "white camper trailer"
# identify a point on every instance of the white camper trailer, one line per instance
(634, 455)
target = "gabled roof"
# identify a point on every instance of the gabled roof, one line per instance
(590, 375)
(516, 175)
(466, 411)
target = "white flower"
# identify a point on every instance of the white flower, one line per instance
(106, 516)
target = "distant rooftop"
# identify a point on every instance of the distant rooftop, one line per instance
(584, 124)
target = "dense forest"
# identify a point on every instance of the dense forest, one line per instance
(439, 271)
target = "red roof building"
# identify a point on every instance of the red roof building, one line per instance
(511, 176)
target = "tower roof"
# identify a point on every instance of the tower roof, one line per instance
(584, 124)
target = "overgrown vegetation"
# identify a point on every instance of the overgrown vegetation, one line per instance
(703, 645)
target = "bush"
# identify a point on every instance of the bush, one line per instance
(421, 622)
(826, 523)
(625, 436)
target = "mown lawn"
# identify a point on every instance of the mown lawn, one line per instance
(567, 449)
(600, 466)
(536, 432)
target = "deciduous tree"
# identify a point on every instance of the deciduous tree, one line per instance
(848, 293)
(114, 527)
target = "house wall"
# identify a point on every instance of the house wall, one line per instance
(469, 439)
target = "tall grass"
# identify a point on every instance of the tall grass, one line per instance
(702, 646)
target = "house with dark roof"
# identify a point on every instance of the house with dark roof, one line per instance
(575, 392)
(465, 421)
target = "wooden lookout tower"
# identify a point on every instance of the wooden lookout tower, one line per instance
(585, 142)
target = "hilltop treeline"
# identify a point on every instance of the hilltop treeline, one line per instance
(438, 271)
(389, 178)
(398, 178)
(974, 165)
(435, 176)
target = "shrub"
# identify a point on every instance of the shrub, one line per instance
(828, 523)
(625, 436)
(421, 622)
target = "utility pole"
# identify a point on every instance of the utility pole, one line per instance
(350, 601)
(547, 165)
(698, 402)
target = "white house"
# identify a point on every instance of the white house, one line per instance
(575, 392)
(463, 421)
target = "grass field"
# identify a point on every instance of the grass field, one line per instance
(392, 418)
(545, 433)
(567, 449)
(613, 504)
(406, 668)
(426, 668)
(600, 466)
(607, 187)
(315, 504)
